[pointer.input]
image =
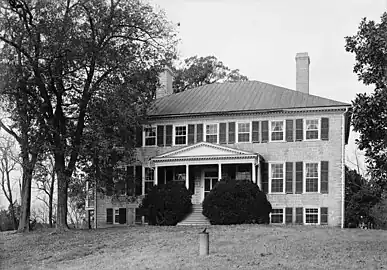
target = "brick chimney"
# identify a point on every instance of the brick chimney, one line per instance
(302, 72)
(166, 79)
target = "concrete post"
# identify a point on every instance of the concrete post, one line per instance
(204, 243)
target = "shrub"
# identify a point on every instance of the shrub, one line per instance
(379, 213)
(166, 205)
(236, 202)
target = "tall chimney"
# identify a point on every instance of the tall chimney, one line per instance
(166, 80)
(302, 72)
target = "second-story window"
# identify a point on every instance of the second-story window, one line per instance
(212, 133)
(311, 177)
(150, 136)
(311, 129)
(243, 132)
(180, 135)
(277, 178)
(277, 130)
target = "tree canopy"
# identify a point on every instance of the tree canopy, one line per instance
(370, 110)
(197, 71)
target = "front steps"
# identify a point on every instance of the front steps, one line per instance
(196, 217)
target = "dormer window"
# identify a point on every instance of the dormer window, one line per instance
(180, 135)
(150, 136)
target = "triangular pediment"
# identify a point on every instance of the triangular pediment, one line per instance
(204, 149)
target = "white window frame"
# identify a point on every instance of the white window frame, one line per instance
(318, 129)
(147, 180)
(283, 215)
(144, 136)
(205, 131)
(283, 131)
(284, 177)
(318, 215)
(237, 131)
(174, 134)
(114, 215)
(318, 180)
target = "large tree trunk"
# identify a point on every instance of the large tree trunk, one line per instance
(63, 180)
(11, 204)
(24, 221)
(51, 196)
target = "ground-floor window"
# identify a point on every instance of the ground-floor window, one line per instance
(149, 179)
(311, 215)
(116, 215)
(277, 216)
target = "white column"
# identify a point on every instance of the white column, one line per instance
(187, 176)
(143, 181)
(253, 173)
(220, 171)
(155, 175)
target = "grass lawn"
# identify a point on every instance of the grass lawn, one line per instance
(231, 247)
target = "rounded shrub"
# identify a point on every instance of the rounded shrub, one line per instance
(166, 205)
(236, 202)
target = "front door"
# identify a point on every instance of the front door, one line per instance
(210, 179)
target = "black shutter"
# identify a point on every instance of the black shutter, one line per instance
(265, 131)
(109, 215)
(138, 186)
(325, 129)
(129, 181)
(299, 130)
(324, 215)
(191, 134)
(324, 176)
(199, 133)
(231, 132)
(299, 215)
(288, 215)
(289, 130)
(122, 215)
(299, 177)
(255, 132)
(289, 177)
(223, 133)
(168, 135)
(265, 176)
(160, 135)
(139, 136)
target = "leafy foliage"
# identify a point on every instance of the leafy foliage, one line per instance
(167, 204)
(379, 212)
(370, 111)
(236, 202)
(198, 71)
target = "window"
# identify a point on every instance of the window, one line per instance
(311, 215)
(311, 177)
(277, 130)
(179, 175)
(277, 216)
(149, 179)
(212, 133)
(180, 135)
(243, 132)
(311, 129)
(116, 216)
(277, 178)
(150, 136)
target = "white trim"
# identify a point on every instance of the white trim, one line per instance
(237, 131)
(205, 131)
(318, 215)
(318, 129)
(144, 138)
(174, 134)
(284, 177)
(304, 177)
(283, 131)
(283, 215)
(114, 214)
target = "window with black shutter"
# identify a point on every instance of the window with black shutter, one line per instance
(265, 131)
(265, 176)
(255, 131)
(160, 136)
(168, 135)
(289, 130)
(122, 216)
(324, 129)
(288, 215)
(109, 215)
(324, 187)
(231, 132)
(191, 134)
(324, 215)
(289, 177)
(130, 181)
(138, 186)
(299, 177)
(223, 133)
(299, 130)
(199, 133)
(299, 215)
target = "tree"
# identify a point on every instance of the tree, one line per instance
(76, 50)
(369, 116)
(198, 71)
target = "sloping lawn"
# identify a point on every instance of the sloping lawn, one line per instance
(231, 247)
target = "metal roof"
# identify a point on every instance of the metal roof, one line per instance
(236, 97)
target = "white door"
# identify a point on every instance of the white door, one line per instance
(210, 178)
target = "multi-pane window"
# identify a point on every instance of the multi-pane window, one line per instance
(179, 175)
(212, 133)
(116, 216)
(180, 135)
(150, 136)
(277, 130)
(277, 178)
(311, 215)
(311, 177)
(311, 129)
(243, 132)
(277, 216)
(149, 179)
